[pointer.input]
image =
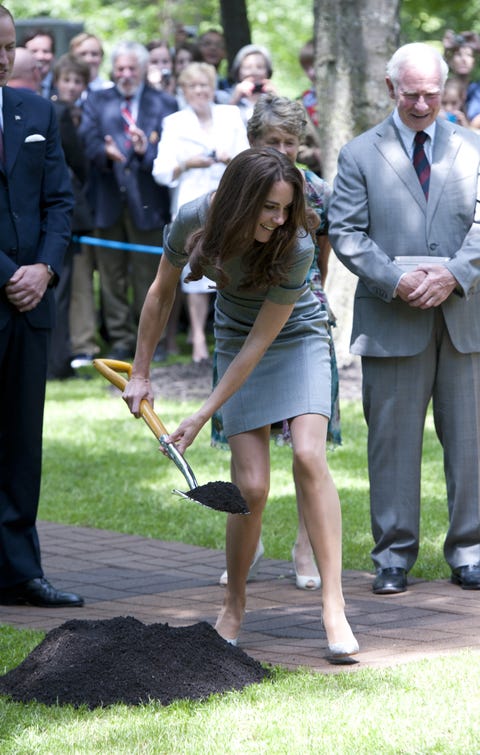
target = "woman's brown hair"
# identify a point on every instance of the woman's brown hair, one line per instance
(233, 217)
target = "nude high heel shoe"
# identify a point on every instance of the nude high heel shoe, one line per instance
(303, 581)
(254, 566)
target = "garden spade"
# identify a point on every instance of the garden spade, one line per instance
(221, 496)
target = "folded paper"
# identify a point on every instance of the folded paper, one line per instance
(411, 262)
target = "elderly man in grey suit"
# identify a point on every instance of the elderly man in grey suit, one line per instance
(404, 218)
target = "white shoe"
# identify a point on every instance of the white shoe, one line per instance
(341, 652)
(252, 572)
(343, 649)
(304, 582)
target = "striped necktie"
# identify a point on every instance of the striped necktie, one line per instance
(420, 162)
(128, 120)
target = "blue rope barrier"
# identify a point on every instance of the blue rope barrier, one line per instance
(93, 241)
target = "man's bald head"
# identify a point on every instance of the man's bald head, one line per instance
(26, 72)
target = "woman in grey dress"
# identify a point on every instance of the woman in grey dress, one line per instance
(273, 361)
(281, 123)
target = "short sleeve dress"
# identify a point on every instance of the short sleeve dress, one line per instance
(293, 376)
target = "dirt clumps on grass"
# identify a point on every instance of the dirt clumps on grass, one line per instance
(122, 660)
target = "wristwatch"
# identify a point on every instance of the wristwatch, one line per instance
(51, 273)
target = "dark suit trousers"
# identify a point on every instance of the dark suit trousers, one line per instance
(125, 275)
(396, 394)
(60, 348)
(23, 367)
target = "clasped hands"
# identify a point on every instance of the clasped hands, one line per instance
(205, 161)
(427, 286)
(139, 144)
(27, 286)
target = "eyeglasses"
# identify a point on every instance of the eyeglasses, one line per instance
(414, 96)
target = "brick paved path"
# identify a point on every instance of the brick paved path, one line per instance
(157, 581)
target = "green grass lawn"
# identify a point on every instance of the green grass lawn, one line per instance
(102, 469)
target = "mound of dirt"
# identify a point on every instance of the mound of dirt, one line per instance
(122, 660)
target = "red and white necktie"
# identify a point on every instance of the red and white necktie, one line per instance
(128, 120)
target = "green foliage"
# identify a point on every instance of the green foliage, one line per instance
(429, 19)
(272, 25)
(282, 30)
(282, 27)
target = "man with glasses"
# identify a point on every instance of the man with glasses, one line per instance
(404, 219)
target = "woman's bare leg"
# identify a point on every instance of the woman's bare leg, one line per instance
(171, 329)
(306, 571)
(251, 473)
(198, 305)
(322, 514)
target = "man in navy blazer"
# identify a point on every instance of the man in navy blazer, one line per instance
(121, 127)
(35, 208)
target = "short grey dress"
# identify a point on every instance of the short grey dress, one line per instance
(293, 377)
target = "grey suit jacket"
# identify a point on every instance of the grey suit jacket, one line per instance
(378, 211)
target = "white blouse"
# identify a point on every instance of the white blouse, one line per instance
(183, 137)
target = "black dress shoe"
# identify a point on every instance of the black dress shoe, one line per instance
(468, 577)
(39, 592)
(390, 580)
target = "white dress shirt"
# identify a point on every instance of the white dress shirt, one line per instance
(407, 136)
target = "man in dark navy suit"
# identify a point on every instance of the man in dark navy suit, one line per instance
(121, 128)
(35, 208)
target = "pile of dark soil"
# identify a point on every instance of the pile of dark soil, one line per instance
(122, 660)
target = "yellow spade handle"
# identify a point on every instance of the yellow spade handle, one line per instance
(111, 369)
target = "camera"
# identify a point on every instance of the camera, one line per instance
(257, 88)
(166, 76)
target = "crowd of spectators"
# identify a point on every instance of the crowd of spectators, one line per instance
(132, 183)
(136, 169)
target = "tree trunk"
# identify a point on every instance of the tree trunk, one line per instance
(353, 41)
(236, 27)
